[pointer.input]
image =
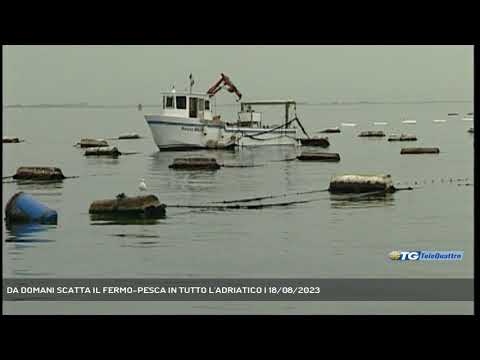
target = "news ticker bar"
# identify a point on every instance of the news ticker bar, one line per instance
(238, 289)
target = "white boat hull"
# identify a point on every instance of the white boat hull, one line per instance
(175, 133)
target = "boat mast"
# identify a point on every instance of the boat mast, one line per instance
(287, 105)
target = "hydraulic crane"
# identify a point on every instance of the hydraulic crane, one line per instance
(224, 81)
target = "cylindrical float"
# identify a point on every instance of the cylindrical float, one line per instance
(318, 156)
(361, 184)
(148, 206)
(316, 141)
(195, 164)
(23, 208)
(90, 143)
(129, 136)
(38, 173)
(407, 151)
(372, 134)
(403, 137)
(335, 130)
(10, 139)
(103, 151)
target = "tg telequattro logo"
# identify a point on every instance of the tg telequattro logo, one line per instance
(426, 255)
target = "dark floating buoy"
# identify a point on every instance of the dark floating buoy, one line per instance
(372, 134)
(452, 114)
(90, 143)
(319, 156)
(38, 173)
(129, 136)
(470, 130)
(23, 208)
(196, 163)
(361, 184)
(403, 137)
(145, 206)
(406, 151)
(330, 131)
(11, 140)
(109, 151)
(316, 141)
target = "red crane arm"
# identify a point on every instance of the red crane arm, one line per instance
(214, 88)
(229, 85)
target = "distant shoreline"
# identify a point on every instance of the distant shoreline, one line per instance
(337, 103)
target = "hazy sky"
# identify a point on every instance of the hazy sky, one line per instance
(136, 74)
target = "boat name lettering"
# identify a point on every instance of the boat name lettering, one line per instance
(191, 128)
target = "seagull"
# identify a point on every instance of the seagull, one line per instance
(142, 186)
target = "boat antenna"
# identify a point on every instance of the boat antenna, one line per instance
(192, 82)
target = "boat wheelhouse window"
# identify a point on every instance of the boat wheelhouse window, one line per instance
(169, 102)
(207, 104)
(193, 107)
(182, 102)
(201, 103)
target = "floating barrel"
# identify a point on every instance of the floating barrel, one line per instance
(361, 184)
(402, 137)
(89, 143)
(10, 139)
(195, 164)
(23, 208)
(108, 151)
(38, 173)
(316, 141)
(406, 151)
(129, 136)
(372, 134)
(330, 131)
(148, 206)
(318, 156)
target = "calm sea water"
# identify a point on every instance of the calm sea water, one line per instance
(325, 238)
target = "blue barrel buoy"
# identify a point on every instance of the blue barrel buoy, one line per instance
(23, 208)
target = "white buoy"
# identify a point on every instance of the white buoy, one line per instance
(409, 122)
(380, 123)
(348, 124)
(439, 121)
(142, 186)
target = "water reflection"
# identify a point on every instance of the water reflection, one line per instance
(26, 232)
(99, 160)
(354, 201)
(240, 156)
(29, 185)
(109, 219)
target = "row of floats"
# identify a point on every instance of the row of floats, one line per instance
(23, 208)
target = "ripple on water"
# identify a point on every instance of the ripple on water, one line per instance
(361, 201)
(28, 233)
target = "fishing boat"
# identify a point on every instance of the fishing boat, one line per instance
(187, 122)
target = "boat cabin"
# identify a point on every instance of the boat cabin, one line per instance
(187, 105)
(247, 117)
